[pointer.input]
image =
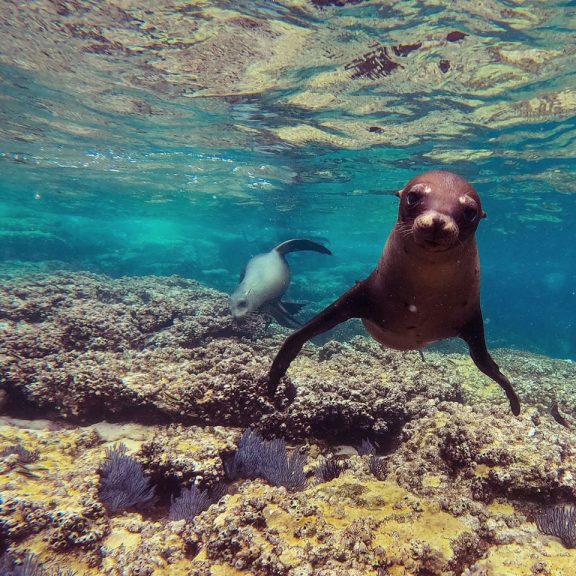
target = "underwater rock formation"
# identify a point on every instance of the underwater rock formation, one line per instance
(83, 347)
(423, 518)
(454, 487)
(486, 456)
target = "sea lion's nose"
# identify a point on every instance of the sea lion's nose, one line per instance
(444, 225)
(438, 222)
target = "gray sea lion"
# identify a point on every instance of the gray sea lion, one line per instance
(265, 280)
(426, 286)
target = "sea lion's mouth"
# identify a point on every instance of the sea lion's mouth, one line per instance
(434, 242)
(434, 246)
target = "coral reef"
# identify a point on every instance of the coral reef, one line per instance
(462, 496)
(85, 347)
(56, 500)
(184, 455)
(527, 457)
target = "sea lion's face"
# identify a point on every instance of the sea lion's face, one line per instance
(241, 304)
(438, 211)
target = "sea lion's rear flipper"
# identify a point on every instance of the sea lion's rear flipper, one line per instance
(283, 316)
(292, 307)
(298, 244)
(473, 334)
(352, 304)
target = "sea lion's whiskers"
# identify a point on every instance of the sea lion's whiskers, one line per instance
(405, 230)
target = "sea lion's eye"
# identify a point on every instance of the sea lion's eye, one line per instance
(412, 199)
(470, 214)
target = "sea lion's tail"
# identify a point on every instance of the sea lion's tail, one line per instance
(298, 244)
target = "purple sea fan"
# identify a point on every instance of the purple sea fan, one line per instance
(28, 567)
(559, 521)
(189, 504)
(123, 483)
(24, 456)
(366, 448)
(246, 462)
(257, 457)
(328, 469)
(283, 470)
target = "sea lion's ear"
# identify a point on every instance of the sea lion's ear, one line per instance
(483, 215)
(399, 193)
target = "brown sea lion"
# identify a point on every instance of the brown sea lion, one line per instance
(426, 286)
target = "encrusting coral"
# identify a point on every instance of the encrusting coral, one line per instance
(453, 489)
(57, 500)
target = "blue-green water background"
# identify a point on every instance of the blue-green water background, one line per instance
(196, 189)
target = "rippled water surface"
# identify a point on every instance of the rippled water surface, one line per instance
(164, 137)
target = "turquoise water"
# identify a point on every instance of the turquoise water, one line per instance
(169, 138)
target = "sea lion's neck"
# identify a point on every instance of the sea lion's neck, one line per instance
(403, 261)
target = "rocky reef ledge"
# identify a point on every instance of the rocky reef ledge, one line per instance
(455, 488)
(82, 347)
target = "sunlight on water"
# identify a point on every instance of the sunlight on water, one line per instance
(132, 134)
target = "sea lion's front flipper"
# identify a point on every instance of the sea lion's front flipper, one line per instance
(279, 312)
(473, 334)
(352, 304)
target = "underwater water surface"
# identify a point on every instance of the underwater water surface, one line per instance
(177, 140)
(186, 138)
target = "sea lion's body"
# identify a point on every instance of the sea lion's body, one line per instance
(265, 280)
(417, 301)
(426, 286)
